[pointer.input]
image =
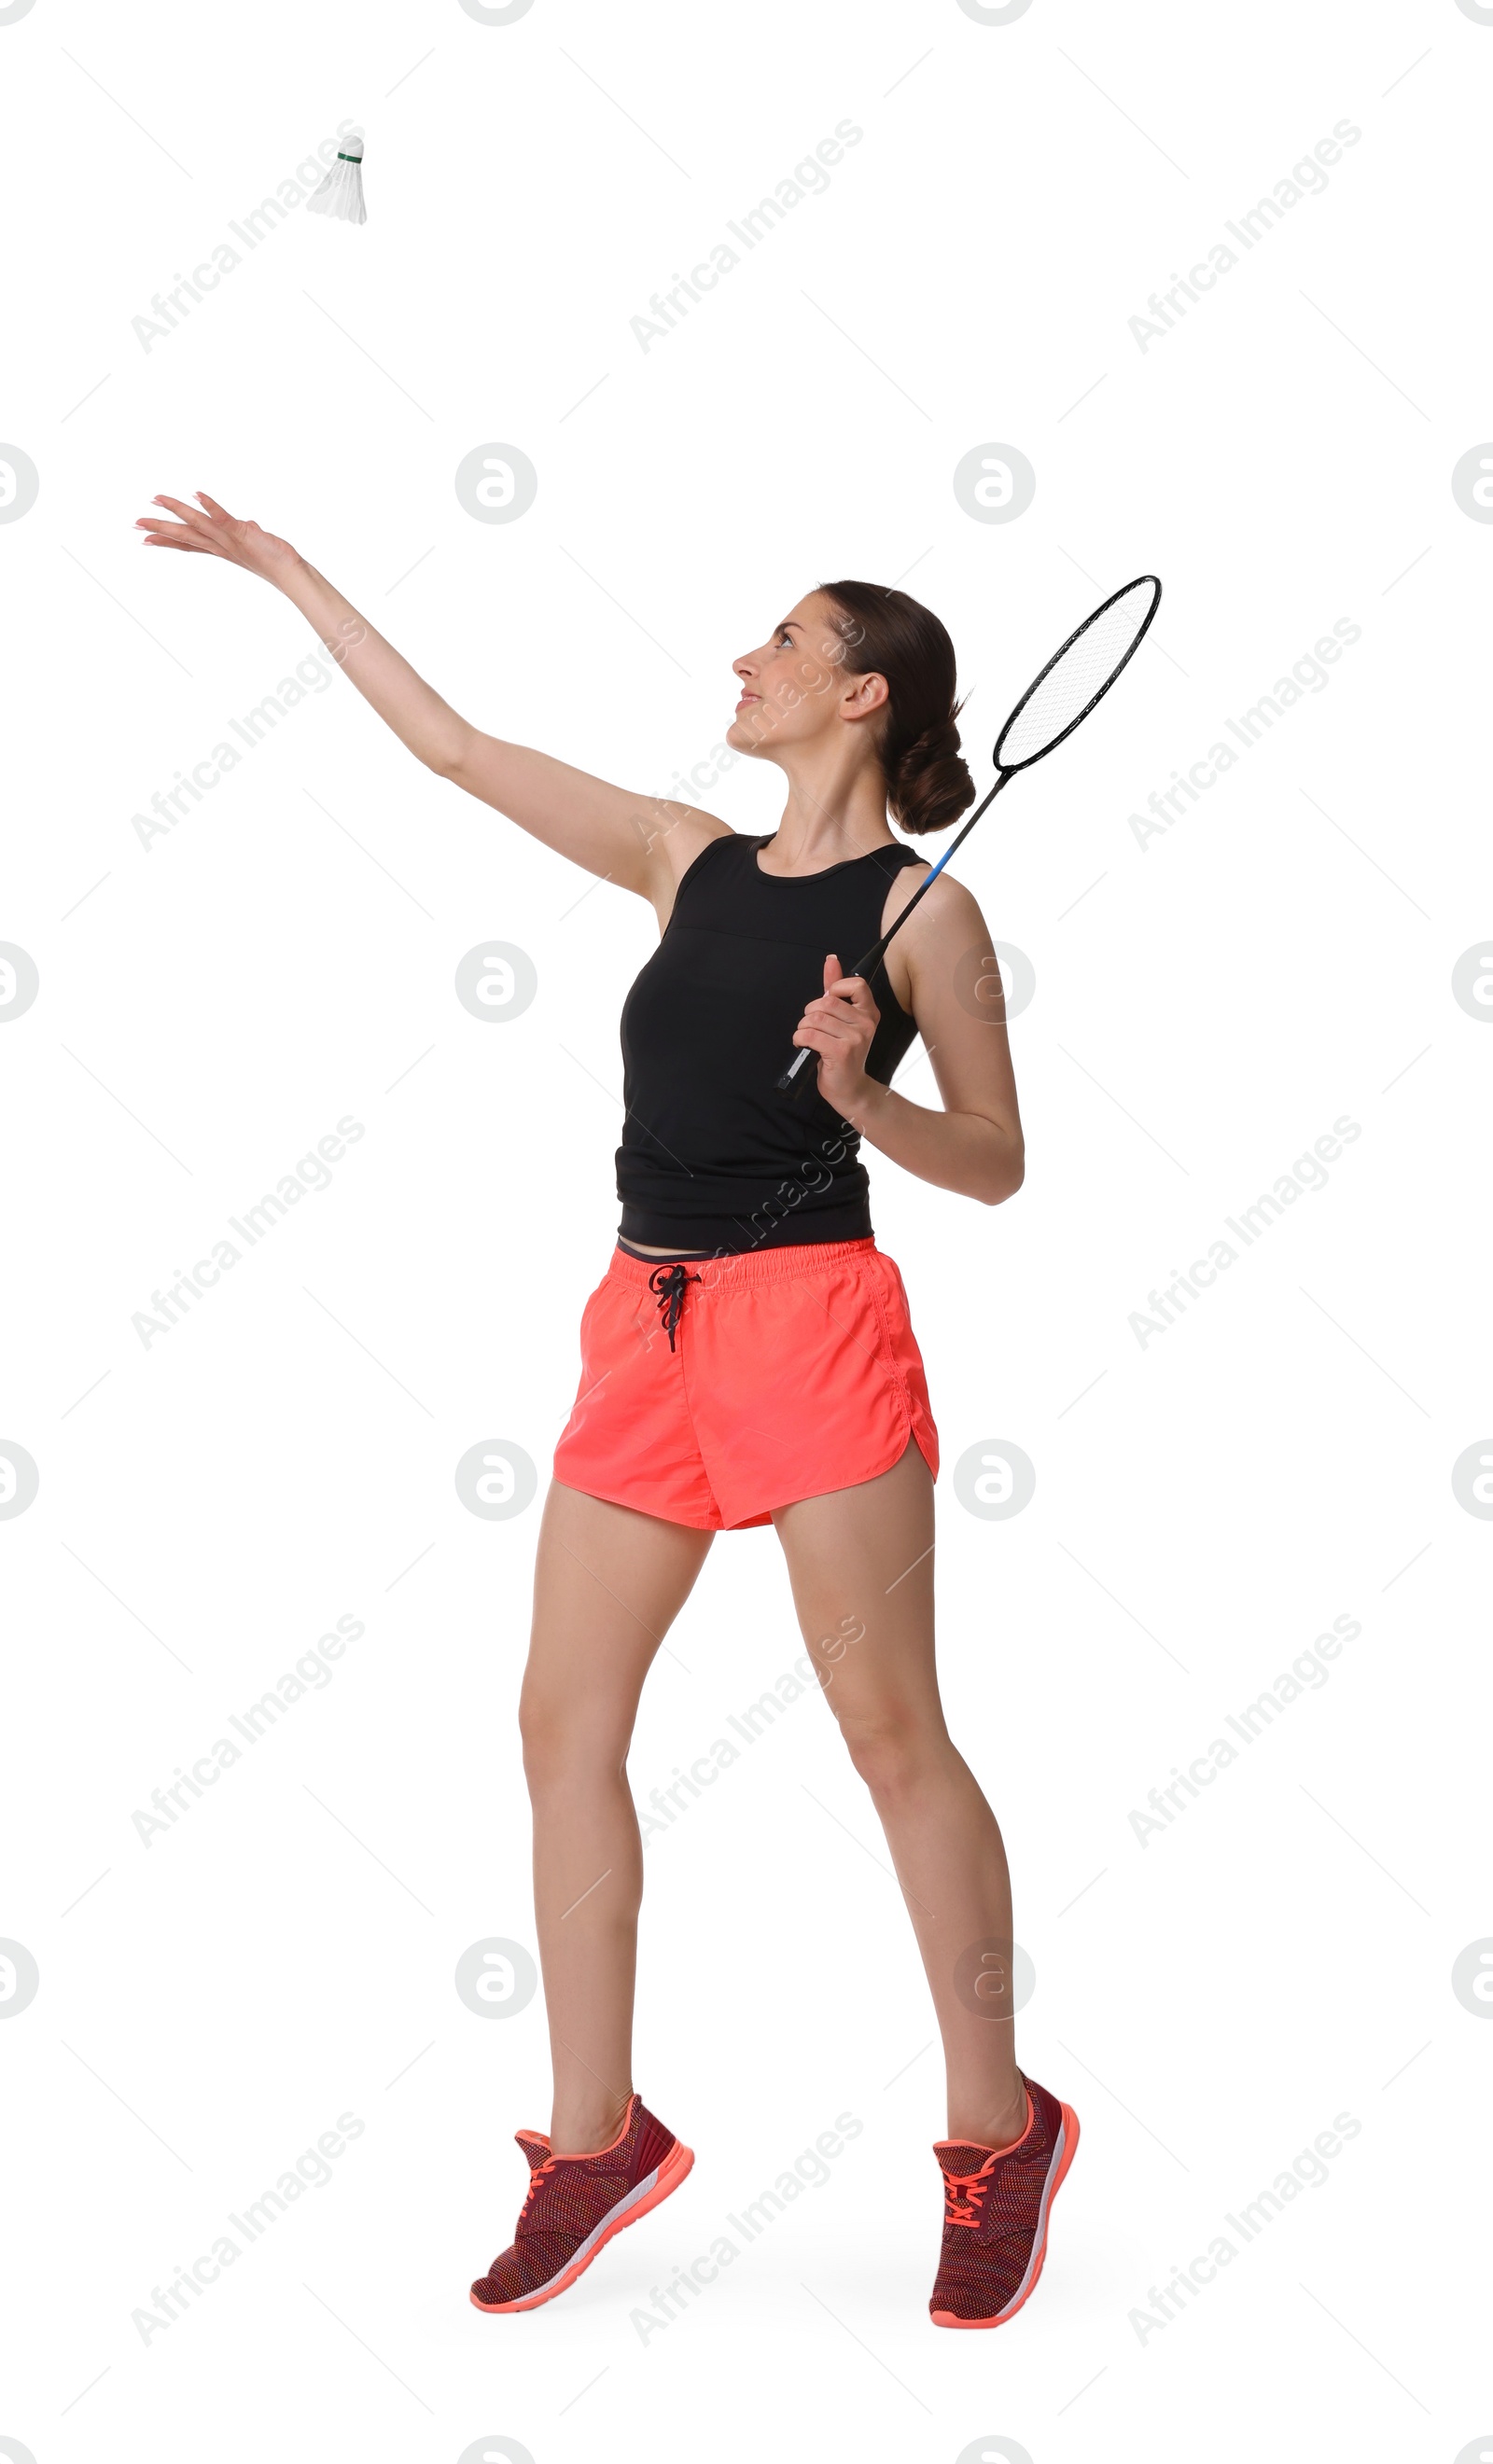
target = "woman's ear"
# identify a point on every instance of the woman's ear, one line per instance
(864, 696)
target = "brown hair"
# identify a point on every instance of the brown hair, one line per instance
(887, 634)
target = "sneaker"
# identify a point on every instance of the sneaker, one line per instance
(996, 2203)
(576, 2204)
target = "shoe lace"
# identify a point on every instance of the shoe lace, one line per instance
(964, 2195)
(536, 2174)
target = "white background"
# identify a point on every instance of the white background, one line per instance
(1205, 1007)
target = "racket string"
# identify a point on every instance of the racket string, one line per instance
(1083, 669)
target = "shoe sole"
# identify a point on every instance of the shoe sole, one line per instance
(648, 2193)
(1066, 2150)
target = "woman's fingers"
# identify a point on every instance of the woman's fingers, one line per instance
(209, 533)
(179, 539)
(846, 1005)
(174, 535)
(212, 530)
(192, 514)
(833, 1026)
(842, 1028)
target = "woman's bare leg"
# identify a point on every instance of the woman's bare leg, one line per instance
(861, 1564)
(608, 1583)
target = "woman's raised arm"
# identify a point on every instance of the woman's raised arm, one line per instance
(639, 842)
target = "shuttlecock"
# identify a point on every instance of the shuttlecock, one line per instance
(340, 194)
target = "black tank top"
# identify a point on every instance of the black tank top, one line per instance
(713, 1158)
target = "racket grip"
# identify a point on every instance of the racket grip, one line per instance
(793, 1080)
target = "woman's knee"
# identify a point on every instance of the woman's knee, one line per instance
(896, 1752)
(561, 1749)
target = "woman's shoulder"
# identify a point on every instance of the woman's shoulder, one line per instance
(692, 834)
(907, 871)
(695, 844)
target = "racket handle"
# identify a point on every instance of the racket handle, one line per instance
(794, 1076)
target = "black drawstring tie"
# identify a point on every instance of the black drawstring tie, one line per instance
(669, 1283)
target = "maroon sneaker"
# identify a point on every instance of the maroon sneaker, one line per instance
(996, 2203)
(576, 2204)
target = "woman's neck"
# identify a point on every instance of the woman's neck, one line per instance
(825, 822)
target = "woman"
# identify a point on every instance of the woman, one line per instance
(747, 1357)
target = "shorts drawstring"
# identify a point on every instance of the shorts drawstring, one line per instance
(669, 1283)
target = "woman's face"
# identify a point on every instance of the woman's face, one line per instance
(800, 684)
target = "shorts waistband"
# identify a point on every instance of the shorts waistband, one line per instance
(748, 1267)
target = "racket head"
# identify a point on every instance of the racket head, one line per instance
(1078, 675)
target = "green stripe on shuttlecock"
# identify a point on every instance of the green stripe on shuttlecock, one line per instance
(341, 192)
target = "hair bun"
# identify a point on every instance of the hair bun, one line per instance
(932, 784)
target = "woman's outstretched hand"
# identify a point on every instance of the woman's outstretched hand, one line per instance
(209, 529)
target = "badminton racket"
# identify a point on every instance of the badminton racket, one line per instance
(1074, 680)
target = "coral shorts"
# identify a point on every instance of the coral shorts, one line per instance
(758, 1380)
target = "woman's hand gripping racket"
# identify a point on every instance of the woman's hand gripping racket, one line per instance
(1074, 679)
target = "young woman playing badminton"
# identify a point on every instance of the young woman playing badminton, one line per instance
(747, 1357)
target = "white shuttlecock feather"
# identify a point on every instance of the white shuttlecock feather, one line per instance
(340, 194)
